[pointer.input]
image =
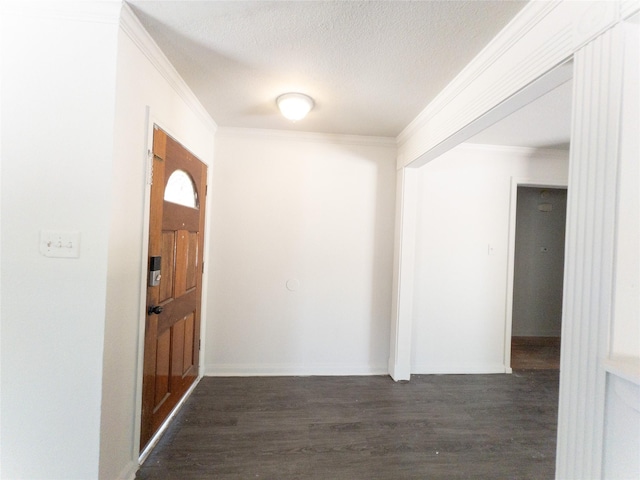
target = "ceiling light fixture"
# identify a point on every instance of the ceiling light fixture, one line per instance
(294, 106)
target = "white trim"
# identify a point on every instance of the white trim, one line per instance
(403, 274)
(511, 250)
(204, 301)
(132, 27)
(542, 36)
(129, 471)
(559, 153)
(522, 23)
(142, 308)
(590, 245)
(551, 80)
(280, 370)
(458, 369)
(286, 135)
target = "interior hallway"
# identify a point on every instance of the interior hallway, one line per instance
(535, 353)
(435, 427)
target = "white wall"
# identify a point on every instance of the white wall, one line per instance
(622, 429)
(459, 307)
(622, 407)
(625, 331)
(318, 211)
(141, 84)
(75, 94)
(58, 96)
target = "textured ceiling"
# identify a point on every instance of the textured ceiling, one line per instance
(371, 66)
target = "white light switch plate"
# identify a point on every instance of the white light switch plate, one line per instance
(56, 243)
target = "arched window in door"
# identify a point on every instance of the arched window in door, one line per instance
(181, 190)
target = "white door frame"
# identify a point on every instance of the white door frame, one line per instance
(516, 182)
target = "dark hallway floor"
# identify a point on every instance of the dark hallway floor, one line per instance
(434, 427)
(535, 353)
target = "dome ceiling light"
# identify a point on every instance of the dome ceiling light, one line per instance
(294, 106)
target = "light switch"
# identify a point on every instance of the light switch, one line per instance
(56, 243)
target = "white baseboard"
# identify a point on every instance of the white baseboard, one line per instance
(129, 471)
(287, 370)
(458, 369)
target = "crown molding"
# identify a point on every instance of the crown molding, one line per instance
(543, 36)
(132, 27)
(362, 140)
(523, 22)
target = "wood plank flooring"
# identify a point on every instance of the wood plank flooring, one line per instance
(434, 427)
(537, 353)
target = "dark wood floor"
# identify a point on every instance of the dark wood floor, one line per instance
(537, 353)
(434, 427)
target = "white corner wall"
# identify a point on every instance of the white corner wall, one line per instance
(58, 96)
(301, 254)
(148, 91)
(461, 254)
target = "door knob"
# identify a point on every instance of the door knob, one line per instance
(157, 309)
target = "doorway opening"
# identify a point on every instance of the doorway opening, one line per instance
(542, 128)
(538, 265)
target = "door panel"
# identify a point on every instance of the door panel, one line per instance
(172, 334)
(192, 262)
(162, 369)
(185, 263)
(188, 352)
(166, 281)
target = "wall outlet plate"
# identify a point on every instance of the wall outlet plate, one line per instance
(60, 244)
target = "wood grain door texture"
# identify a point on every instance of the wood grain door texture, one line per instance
(176, 235)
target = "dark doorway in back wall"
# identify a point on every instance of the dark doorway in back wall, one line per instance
(538, 277)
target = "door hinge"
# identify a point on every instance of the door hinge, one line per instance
(206, 190)
(202, 273)
(199, 344)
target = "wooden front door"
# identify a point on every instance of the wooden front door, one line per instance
(176, 234)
